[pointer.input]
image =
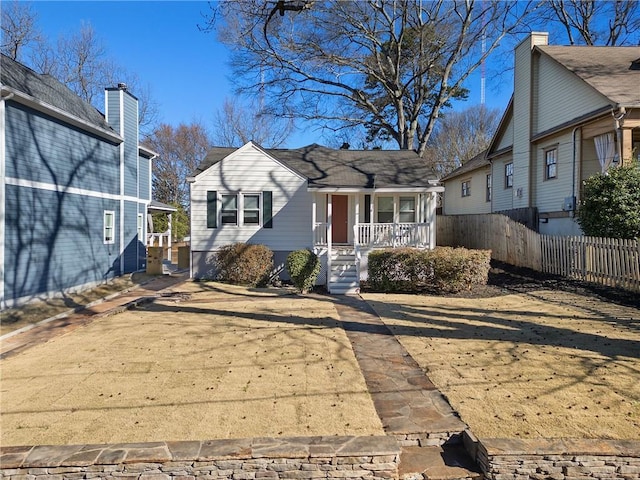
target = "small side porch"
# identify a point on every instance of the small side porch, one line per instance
(160, 239)
(348, 224)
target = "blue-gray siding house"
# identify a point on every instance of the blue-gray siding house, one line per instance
(74, 187)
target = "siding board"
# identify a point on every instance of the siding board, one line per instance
(42, 149)
(53, 241)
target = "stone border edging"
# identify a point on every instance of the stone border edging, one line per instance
(244, 448)
(558, 459)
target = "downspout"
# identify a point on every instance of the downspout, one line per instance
(573, 169)
(622, 112)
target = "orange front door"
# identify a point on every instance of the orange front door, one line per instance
(339, 218)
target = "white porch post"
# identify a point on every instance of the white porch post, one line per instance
(371, 219)
(169, 239)
(356, 228)
(329, 239)
(314, 203)
(433, 201)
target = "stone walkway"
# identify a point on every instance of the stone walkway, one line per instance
(408, 404)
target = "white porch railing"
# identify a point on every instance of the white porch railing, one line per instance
(320, 233)
(160, 240)
(391, 234)
(381, 234)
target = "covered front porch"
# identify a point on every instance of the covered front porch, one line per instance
(349, 223)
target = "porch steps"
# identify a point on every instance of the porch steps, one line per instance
(343, 277)
(447, 462)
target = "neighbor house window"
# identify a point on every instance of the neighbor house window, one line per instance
(508, 175)
(251, 209)
(488, 190)
(466, 188)
(407, 209)
(551, 163)
(109, 229)
(385, 209)
(229, 211)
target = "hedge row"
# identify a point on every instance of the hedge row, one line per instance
(442, 270)
(244, 264)
(249, 264)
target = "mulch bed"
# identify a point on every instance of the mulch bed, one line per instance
(505, 278)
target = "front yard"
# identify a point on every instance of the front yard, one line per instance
(211, 361)
(543, 363)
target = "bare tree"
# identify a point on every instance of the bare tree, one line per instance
(79, 60)
(387, 66)
(19, 29)
(180, 151)
(595, 22)
(235, 125)
(460, 136)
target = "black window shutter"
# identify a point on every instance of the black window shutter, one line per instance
(367, 208)
(267, 207)
(212, 209)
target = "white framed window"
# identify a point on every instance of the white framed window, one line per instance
(508, 175)
(407, 207)
(251, 209)
(229, 210)
(551, 163)
(385, 209)
(108, 229)
(141, 228)
(466, 188)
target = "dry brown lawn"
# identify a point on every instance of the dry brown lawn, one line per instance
(541, 364)
(210, 361)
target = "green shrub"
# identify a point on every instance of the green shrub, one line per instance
(442, 270)
(244, 264)
(610, 205)
(303, 267)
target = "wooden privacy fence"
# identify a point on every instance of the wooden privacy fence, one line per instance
(607, 261)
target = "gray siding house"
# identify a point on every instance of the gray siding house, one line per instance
(340, 204)
(575, 112)
(75, 187)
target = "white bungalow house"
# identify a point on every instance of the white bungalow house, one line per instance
(340, 204)
(575, 112)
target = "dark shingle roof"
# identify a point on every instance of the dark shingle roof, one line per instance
(326, 167)
(47, 89)
(609, 70)
(470, 165)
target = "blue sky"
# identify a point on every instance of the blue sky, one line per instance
(186, 69)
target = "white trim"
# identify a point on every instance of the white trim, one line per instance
(122, 170)
(2, 199)
(52, 187)
(55, 112)
(399, 189)
(247, 146)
